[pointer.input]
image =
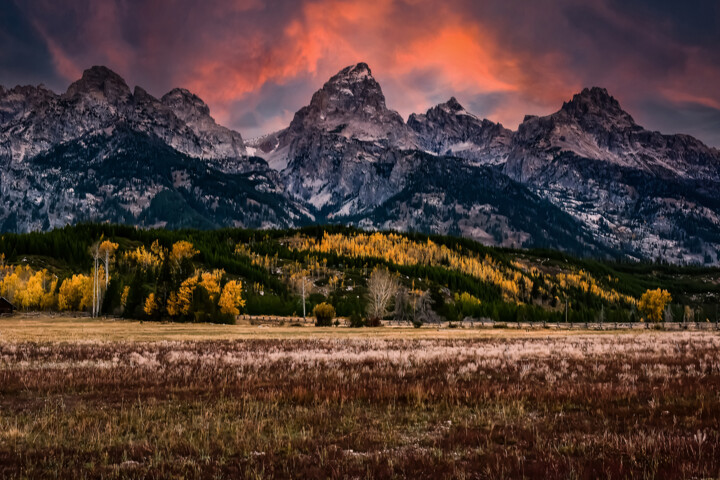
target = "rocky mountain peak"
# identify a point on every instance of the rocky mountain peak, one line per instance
(451, 108)
(140, 96)
(185, 104)
(100, 82)
(352, 105)
(452, 105)
(35, 120)
(351, 91)
(449, 129)
(597, 105)
(354, 73)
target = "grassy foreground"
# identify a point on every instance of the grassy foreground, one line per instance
(115, 399)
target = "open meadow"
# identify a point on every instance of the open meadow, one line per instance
(119, 399)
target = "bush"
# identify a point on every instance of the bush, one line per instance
(417, 324)
(373, 322)
(356, 320)
(324, 314)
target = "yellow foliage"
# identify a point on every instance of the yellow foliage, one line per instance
(653, 303)
(124, 296)
(108, 248)
(324, 314)
(75, 293)
(513, 280)
(585, 282)
(403, 251)
(467, 299)
(27, 288)
(146, 259)
(179, 303)
(242, 250)
(173, 307)
(151, 306)
(182, 250)
(231, 298)
(211, 282)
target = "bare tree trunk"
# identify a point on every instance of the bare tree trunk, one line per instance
(96, 281)
(94, 290)
(107, 268)
(97, 289)
(303, 295)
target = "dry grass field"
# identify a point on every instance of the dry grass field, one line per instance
(115, 399)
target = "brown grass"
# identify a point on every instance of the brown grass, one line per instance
(42, 327)
(305, 402)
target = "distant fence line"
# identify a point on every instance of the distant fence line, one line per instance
(596, 325)
(468, 323)
(276, 319)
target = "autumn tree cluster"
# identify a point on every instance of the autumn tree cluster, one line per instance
(181, 292)
(653, 303)
(155, 282)
(517, 282)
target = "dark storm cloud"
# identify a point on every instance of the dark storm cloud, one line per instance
(255, 62)
(688, 118)
(24, 56)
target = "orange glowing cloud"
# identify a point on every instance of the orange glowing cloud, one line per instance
(263, 60)
(462, 58)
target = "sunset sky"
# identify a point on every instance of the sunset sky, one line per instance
(255, 63)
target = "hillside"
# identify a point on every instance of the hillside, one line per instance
(196, 275)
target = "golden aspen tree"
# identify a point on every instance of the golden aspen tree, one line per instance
(653, 303)
(158, 250)
(124, 296)
(210, 281)
(182, 250)
(31, 295)
(179, 303)
(49, 299)
(11, 284)
(75, 293)
(231, 299)
(173, 307)
(151, 306)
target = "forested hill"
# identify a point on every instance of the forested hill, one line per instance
(194, 275)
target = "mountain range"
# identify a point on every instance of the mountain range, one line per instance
(586, 179)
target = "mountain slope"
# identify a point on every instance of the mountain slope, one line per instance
(445, 195)
(642, 192)
(585, 179)
(449, 129)
(33, 119)
(337, 153)
(134, 178)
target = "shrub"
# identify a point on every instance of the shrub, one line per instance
(324, 314)
(356, 320)
(373, 322)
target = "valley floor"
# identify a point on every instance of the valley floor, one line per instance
(116, 399)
